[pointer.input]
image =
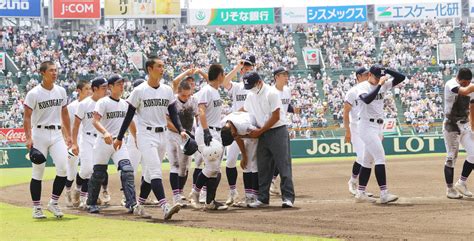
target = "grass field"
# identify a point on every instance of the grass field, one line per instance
(16, 224)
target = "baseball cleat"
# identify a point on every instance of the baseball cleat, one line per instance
(363, 198)
(287, 204)
(274, 189)
(169, 210)
(353, 188)
(178, 201)
(182, 197)
(139, 210)
(105, 197)
(202, 196)
(54, 208)
(462, 188)
(388, 198)
(233, 194)
(151, 201)
(214, 205)
(257, 204)
(82, 203)
(69, 198)
(94, 209)
(194, 199)
(76, 194)
(451, 193)
(38, 213)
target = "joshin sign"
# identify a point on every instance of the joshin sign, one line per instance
(76, 9)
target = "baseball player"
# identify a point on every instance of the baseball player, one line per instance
(352, 107)
(84, 134)
(208, 138)
(188, 77)
(45, 111)
(235, 126)
(109, 113)
(153, 101)
(273, 147)
(280, 75)
(458, 109)
(72, 199)
(237, 93)
(136, 157)
(371, 93)
(186, 105)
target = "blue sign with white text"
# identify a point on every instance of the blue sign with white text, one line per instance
(357, 13)
(20, 8)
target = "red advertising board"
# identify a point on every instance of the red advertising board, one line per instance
(76, 9)
(12, 135)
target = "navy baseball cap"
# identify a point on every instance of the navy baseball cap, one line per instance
(190, 147)
(226, 136)
(36, 156)
(99, 81)
(361, 70)
(248, 58)
(114, 78)
(377, 70)
(137, 82)
(250, 79)
(280, 70)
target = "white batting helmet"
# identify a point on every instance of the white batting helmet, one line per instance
(213, 152)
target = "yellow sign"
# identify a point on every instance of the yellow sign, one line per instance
(142, 9)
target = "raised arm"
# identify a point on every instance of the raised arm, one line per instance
(232, 74)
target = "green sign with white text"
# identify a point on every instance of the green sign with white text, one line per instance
(231, 16)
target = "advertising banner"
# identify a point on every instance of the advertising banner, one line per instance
(335, 14)
(303, 148)
(234, 16)
(393, 145)
(20, 8)
(12, 135)
(142, 9)
(418, 11)
(76, 9)
(293, 15)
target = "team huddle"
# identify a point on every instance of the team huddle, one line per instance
(157, 121)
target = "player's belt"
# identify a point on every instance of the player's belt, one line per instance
(91, 134)
(378, 121)
(51, 127)
(215, 128)
(156, 129)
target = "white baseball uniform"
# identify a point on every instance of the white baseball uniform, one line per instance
(368, 116)
(210, 97)
(187, 112)
(245, 122)
(87, 136)
(47, 106)
(285, 97)
(73, 160)
(456, 128)
(112, 114)
(353, 99)
(152, 108)
(238, 94)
